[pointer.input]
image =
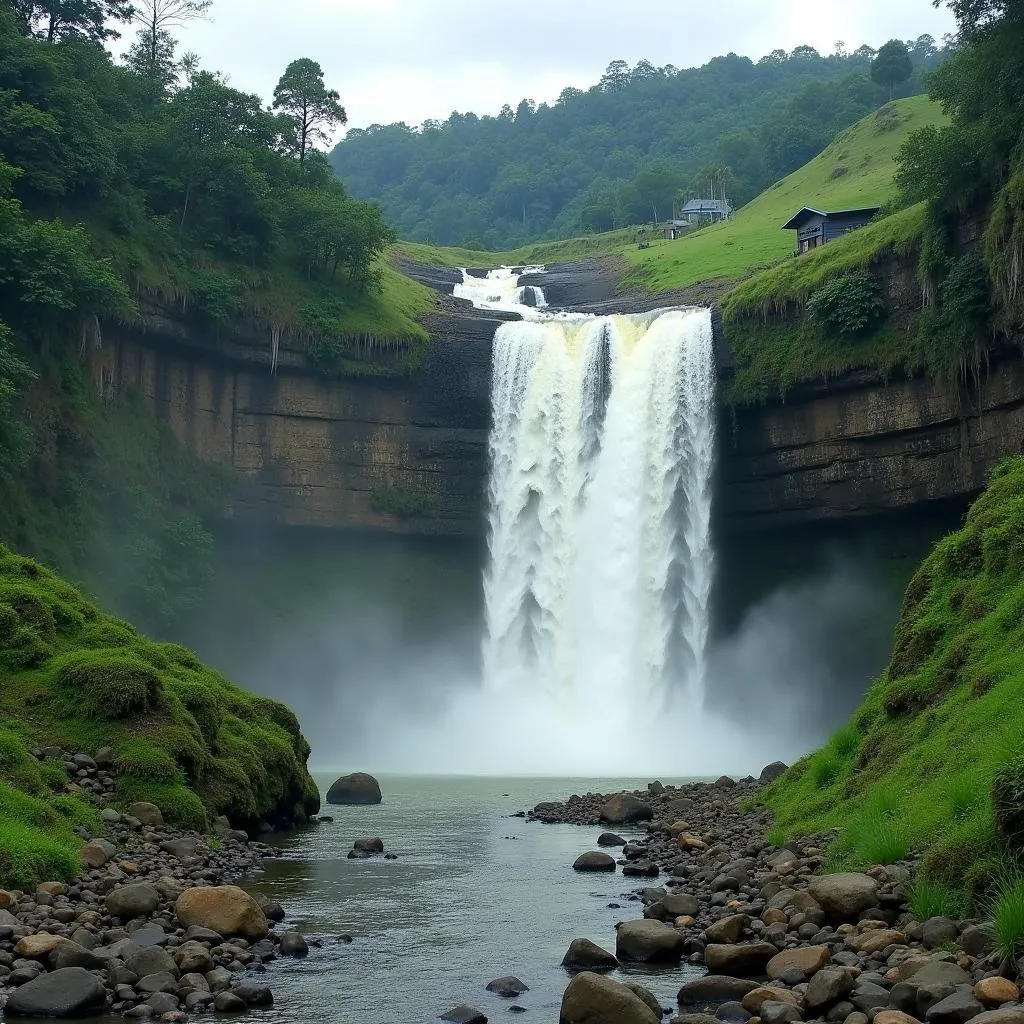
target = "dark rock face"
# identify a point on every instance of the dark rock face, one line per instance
(358, 788)
(71, 992)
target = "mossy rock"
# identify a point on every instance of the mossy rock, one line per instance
(185, 738)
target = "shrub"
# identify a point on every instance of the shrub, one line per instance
(146, 762)
(181, 807)
(848, 305)
(1007, 912)
(934, 899)
(879, 840)
(1008, 802)
(110, 684)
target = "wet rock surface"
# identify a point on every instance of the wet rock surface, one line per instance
(150, 928)
(782, 939)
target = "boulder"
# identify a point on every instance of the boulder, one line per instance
(226, 909)
(193, 957)
(154, 960)
(680, 904)
(228, 1002)
(876, 940)
(713, 989)
(293, 944)
(977, 940)
(147, 814)
(770, 772)
(727, 929)
(610, 839)
(623, 809)
(38, 946)
(97, 853)
(894, 1017)
(507, 987)
(135, 900)
(358, 788)
(594, 861)
(71, 954)
(594, 999)
(71, 992)
(1007, 1015)
(252, 994)
(372, 845)
(745, 959)
(827, 987)
(180, 848)
(779, 1013)
(806, 959)
(996, 991)
(647, 996)
(755, 998)
(463, 1014)
(647, 941)
(957, 1008)
(844, 895)
(584, 955)
(938, 930)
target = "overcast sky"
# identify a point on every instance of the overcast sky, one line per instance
(409, 60)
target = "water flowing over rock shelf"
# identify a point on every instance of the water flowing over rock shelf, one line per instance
(310, 451)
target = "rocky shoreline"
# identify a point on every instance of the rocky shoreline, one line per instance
(150, 929)
(782, 941)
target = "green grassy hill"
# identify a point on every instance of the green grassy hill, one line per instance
(933, 761)
(856, 169)
(184, 737)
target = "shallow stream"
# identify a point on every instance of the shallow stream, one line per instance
(475, 894)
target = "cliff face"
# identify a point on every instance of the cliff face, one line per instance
(857, 447)
(309, 451)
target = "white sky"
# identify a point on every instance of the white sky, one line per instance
(409, 60)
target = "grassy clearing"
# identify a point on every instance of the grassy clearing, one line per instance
(855, 170)
(936, 767)
(185, 738)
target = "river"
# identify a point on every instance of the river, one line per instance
(474, 894)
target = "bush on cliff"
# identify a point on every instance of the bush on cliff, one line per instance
(185, 738)
(931, 760)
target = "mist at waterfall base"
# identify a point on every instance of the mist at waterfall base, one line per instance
(591, 654)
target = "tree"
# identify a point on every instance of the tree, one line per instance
(152, 56)
(73, 19)
(312, 108)
(891, 66)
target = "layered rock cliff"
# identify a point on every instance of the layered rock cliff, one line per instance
(408, 453)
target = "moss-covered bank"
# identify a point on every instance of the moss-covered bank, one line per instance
(184, 737)
(933, 761)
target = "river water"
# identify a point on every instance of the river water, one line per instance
(475, 894)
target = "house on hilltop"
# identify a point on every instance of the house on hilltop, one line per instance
(816, 227)
(703, 211)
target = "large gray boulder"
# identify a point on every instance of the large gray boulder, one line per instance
(714, 989)
(135, 900)
(584, 955)
(594, 861)
(71, 992)
(648, 941)
(594, 999)
(844, 895)
(623, 809)
(770, 772)
(743, 960)
(357, 788)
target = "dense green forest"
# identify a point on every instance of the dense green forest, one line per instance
(134, 188)
(624, 150)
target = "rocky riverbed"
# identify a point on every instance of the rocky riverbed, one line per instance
(782, 942)
(150, 928)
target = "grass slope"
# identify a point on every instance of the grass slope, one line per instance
(856, 169)
(933, 761)
(185, 738)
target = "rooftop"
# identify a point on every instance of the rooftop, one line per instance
(803, 215)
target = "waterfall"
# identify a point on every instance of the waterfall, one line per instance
(500, 289)
(602, 449)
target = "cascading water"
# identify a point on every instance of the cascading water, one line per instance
(500, 289)
(602, 448)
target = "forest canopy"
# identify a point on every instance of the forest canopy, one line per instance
(625, 150)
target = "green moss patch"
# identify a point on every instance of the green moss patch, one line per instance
(931, 761)
(185, 738)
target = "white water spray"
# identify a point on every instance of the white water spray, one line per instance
(602, 448)
(500, 289)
